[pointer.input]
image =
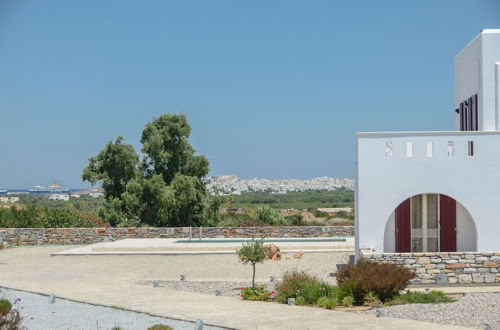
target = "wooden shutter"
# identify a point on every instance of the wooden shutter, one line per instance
(448, 224)
(403, 227)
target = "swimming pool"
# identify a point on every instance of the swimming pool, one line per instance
(266, 240)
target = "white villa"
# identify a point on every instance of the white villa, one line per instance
(438, 191)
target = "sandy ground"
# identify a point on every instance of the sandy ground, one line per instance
(113, 281)
(157, 267)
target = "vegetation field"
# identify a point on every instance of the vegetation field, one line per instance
(297, 200)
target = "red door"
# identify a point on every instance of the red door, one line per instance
(448, 224)
(403, 227)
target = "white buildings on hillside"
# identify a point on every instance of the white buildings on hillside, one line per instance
(59, 197)
(438, 191)
(9, 199)
(232, 184)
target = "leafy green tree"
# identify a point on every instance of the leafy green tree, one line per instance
(165, 141)
(165, 189)
(253, 252)
(114, 166)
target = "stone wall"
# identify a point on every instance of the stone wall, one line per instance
(40, 236)
(446, 267)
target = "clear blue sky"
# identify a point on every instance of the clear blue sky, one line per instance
(273, 89)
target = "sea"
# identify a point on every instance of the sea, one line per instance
(26, 191)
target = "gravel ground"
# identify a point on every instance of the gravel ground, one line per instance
(229, 289)
(473, 310)
(39, 314)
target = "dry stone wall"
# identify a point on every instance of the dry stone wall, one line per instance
(447, 267)
(41, 236)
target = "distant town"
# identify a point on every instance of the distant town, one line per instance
(231, 184)
(224, 184)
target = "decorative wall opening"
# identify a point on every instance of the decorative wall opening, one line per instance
(430, 222)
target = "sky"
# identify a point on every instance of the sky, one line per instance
(272, 89)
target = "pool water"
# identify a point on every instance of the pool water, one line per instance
(266, 240)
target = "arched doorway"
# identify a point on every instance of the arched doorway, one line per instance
(430, 223)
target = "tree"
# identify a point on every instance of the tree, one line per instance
(253, 252)
(164, 189)
(165, 141)
(114, 166)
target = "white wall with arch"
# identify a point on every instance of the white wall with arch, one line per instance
(384, 180)
(466, 231)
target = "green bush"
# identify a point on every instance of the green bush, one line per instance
(296, 284)
(348, 301)
(295, 220)
(300, 301)
(35, 217)
(10, 318)
(326, 302)
(321, 214)
(270, 215)
(5, 307)
(433, 297)
(384, 280)
(371, 300)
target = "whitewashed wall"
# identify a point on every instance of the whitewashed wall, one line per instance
(476, 73)
(383, 183)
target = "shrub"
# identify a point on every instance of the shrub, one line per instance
(348, 301)
(5, 307)
(269, 215)
(433, 297)
(296, 284)
(253, 252)
(10, 319)
(384, 280)
(300, 301)
(321, 214)
(326, 302)
(256, 293)
(295, 220)
(371, 299)
(160, 327)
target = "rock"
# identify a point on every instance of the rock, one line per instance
(441, 279)
(464, 278)
(477, 278)
(489, 278)
(299, 255)
(491, 264)
(424, 260)
(272, 250)
(454, 265)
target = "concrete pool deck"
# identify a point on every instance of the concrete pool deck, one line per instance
(112, 280)
(161, 246)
